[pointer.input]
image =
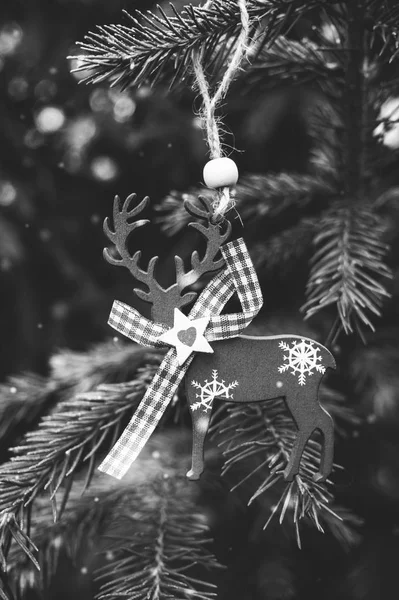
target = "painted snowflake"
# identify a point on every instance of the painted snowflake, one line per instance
(210, 390)
(302, 358)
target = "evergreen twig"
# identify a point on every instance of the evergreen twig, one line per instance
(267, 434)
(122, 526)
(159, 548)
(73, 373)
(284, 250)
(347, 266)
(49, 455)
(386, 24)
(293, 62)
(157, 47)
(24, 398)
(255, 196)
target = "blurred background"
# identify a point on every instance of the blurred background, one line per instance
(65, 151)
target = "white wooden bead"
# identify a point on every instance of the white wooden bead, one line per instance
(220, 172)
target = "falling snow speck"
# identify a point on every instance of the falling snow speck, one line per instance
(95, 219)
(45, 235)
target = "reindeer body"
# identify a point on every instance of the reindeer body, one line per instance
(252, 369)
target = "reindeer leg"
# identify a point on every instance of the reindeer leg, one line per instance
(300, 415)
(326, 426)
(292, 467)
(200, 419)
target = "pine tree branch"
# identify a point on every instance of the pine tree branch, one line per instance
(24, 398)
(164, 453)
(110, 525)
(256, 197)
(65, 440)
(385, 22)
(265, 435)
(295, 63)
(156, 549)
(74, 373)
(79, 530)
(347, 266)
(160, 47)
(325, 127)
(285, 249)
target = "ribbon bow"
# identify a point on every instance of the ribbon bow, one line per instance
(239, 276)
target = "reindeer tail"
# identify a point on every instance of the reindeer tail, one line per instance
(328, 360)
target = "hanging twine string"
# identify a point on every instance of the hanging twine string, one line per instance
(211, 103)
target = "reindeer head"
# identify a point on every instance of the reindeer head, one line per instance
(165, 300)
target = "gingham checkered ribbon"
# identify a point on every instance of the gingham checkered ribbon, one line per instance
(239, 276)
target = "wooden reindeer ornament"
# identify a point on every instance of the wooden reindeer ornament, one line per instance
(207, 347)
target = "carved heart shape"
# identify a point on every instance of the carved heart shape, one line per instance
(187, 336)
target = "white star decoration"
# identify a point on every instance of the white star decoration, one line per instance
(187, 336)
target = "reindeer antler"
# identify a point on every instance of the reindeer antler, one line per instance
(215, 238)
(164, 301)
(122, 231)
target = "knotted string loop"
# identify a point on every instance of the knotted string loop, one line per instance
(223, 202)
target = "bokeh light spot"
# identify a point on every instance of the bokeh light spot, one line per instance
(18, 88)
(33, 139)
(388, 129)
(100, 101)
(104, 168)
(80, 132)
(8, 193)
(45, 89)
(50, 119)
(10, 37)
(76, 63)
(124, 108)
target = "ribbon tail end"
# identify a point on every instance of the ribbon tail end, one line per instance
(108, 469)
